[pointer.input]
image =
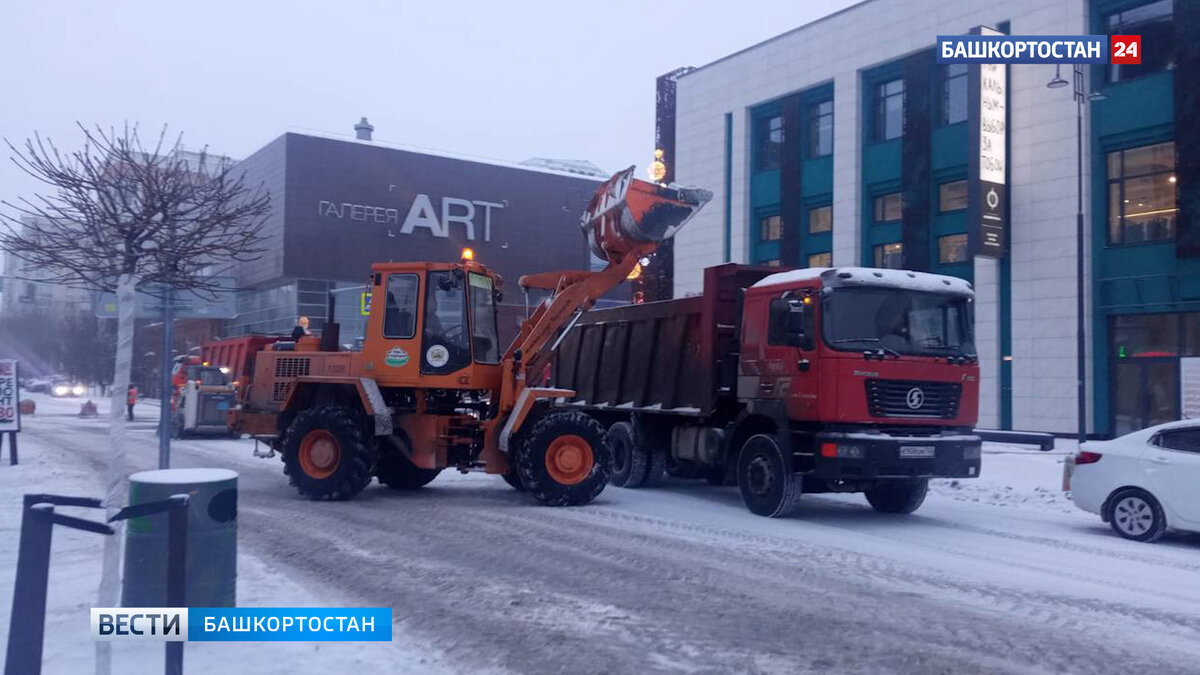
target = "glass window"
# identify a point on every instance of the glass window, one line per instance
(769, 228)
(952, 196)
(1142, 196)
(820, 260)
(485, 336)
(820, 219)
(1153, 22)
(1145, 335)
(769, 142)
(1185, 440)
(446, 348)
(889, 207)
(400, 311)
(889, 110)
(890, 256)
(820, 129)
(952, 249)
(907, 321)
(954, 93)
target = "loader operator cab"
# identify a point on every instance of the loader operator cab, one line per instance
(456, 326)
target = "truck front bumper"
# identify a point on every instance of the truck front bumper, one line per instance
(841, 456)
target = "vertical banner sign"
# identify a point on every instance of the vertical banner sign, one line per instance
(988, 120)
(1189, 387)
(10, 410)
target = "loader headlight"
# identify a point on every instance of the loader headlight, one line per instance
(224, 370)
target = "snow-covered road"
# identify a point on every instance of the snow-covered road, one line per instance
(1000, 574)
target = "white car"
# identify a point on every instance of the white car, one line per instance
(1141, 483)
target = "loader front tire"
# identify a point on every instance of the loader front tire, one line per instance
(328, 453)
(564, 461)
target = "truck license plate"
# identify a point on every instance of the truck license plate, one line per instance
(917, 451)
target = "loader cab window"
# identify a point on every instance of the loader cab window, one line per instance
(485, 337)
(446, 346)
(400, 310)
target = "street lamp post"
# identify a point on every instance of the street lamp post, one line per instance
(1081, 96)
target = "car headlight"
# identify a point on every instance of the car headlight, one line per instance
(79, 390)
(61, 390)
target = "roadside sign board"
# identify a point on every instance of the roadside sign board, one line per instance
(1189, 387)
(10, 397)
(987, 205)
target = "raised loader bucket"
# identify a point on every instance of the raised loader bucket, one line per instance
(626, 211)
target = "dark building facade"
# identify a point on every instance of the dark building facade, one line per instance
(341, 205)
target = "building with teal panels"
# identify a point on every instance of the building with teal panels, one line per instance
(843, 142)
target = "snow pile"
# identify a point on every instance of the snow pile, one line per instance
(1012, 477)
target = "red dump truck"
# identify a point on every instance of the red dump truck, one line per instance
(810, 380)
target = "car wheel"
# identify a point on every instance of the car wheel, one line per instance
(1135, 514)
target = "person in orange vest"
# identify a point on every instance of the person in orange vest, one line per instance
(130, 399)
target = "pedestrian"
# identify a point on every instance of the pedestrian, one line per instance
(130, 399)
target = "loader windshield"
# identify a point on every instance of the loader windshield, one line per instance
(446, 346)
(898, 320)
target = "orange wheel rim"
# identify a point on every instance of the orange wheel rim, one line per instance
(320, 454)
(569, 459)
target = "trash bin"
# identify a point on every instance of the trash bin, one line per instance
(211, 538)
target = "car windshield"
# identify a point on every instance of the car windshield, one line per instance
(898, 320)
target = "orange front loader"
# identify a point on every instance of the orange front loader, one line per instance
(430, 388)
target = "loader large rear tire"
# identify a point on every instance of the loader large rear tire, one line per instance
(563, 461)
(399, 473)
(328, 453)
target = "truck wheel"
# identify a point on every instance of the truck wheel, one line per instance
(629, 465)
(398, 472)
(898, 496)
(650, 443)
(328, 453)
(564, 460)
(765, 478)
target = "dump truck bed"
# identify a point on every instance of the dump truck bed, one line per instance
(673, 356)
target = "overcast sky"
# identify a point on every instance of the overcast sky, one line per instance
(501, 80)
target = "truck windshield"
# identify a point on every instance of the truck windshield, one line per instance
(446, 348)
(898, 320)
(485, 341)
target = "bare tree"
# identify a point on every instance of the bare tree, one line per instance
(120, 217)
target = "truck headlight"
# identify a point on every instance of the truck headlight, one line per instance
(842, 450)
(973, 452)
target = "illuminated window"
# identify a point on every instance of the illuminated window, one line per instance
(820, 129)
(769, 228)
(952, 196)
(769, 144)
(889, 207)
(952, 249)
(820, 219)
(889, 110)
(890, 256)
(820, 260)
(1142, 195)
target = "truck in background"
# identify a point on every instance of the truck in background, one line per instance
(811, 380)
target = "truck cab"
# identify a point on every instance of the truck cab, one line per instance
(874, 369)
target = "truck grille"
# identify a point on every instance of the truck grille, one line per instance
(913, 398)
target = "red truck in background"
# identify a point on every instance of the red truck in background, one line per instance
(811, 380)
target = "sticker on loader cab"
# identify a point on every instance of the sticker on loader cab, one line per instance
(396, 357)
(437, 356)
